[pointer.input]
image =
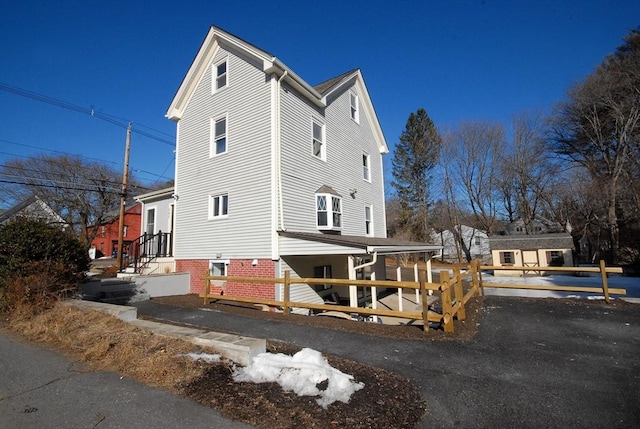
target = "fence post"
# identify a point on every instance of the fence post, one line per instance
(445, 295)
(475, 264)
(605, 283)
(287, 292)
(207, 287)
(424, 300)
(459, 293)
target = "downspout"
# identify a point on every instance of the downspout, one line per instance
(278, 153)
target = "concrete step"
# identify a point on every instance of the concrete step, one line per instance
(236, 348)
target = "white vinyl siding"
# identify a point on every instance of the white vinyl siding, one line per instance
(244, 172)
(343, 171)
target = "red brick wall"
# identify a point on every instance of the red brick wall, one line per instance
(111, 230)
(244, 267)
(197, 269)
(237, 267)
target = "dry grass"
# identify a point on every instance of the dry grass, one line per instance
(104, 342)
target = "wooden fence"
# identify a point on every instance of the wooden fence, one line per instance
(457, 285)
(450, 289)
(602, 269)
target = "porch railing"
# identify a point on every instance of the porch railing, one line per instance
(147, 248)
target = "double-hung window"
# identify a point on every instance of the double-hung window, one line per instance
(354, 107)
(220, 76)
(329, 211)
(366, 166)
(219, 206)
(218, 136)
(368, 220)
(318, 143)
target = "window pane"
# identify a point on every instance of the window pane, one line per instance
(225, 204)
(322, 218)
(222, 68)
(322, 203)
(317, 131)
(216, 206)
(221, 127)
(221, 145)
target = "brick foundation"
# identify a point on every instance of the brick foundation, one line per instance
(237, 267)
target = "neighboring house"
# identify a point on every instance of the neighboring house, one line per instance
(105, 242)
(274, 174)
(475, 241)
(536, 251)
(539, 225)
(153, 252)
(33, 208)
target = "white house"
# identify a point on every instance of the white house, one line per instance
(476, 244)
(274, 174)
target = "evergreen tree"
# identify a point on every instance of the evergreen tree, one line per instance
(415, 157)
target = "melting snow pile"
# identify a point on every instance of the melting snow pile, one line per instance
(301, 373)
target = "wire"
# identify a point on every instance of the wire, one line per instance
(53, 150)
(120, 122)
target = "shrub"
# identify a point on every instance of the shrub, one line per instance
(38, 262)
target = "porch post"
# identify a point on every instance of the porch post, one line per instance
(353, 290)
(427, 256)
(399, 278)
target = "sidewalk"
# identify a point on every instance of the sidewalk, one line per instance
(41, 388)
(534, 362)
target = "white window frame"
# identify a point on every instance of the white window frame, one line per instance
(368, 220)
(153, 221)
(217, 201)
(333, 217)
(213, 146)
(323, 141)
(216, 77)
(222, 265)
(366, 166)
(354, 107)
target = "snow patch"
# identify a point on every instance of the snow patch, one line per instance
(300, 373)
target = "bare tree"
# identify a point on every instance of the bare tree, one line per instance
(527, 174)
(598, 127)
(469, 160)
(82, 193)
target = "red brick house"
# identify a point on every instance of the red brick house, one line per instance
(106, 240)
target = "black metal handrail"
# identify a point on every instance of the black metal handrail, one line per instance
(148, 247)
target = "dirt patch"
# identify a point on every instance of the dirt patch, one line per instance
(464, 329)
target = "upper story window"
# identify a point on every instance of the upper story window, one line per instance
(219, 206)
(354, 107)
(366, 166)
(218, 136)
(124, 230)
(477, 241)
(103, 231)
(319, 149)
(329, 211)
(220, 76)
(368, 220)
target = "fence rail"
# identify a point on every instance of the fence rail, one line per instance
(458, 284)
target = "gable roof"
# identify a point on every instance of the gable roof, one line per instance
(32, 207)
(217, 37)
(531, 242)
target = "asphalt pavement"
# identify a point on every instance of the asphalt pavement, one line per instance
(42, 388)
(534, 363)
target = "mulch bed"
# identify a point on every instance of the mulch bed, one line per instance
(387, 400)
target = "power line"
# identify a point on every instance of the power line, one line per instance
(120, 122)
(53, 150)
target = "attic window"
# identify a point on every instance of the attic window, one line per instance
(329, 212)
(220, 76)
(354, 107)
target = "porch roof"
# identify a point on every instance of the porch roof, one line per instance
(359, 244)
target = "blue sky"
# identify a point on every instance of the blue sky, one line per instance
(460, 60)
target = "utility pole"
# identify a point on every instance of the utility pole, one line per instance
(123, 197)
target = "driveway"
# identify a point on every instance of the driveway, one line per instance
(534, 362)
